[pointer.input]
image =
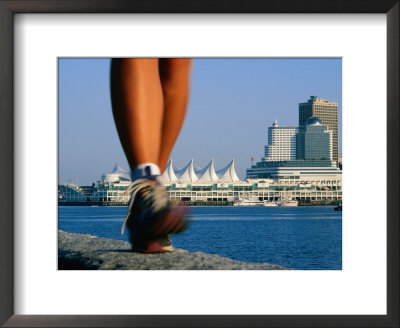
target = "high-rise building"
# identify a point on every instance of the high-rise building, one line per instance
(328, 114)
(314, 141)
(281, 143)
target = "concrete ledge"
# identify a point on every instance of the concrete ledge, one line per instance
(86, 252)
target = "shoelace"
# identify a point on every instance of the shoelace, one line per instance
(153, 196)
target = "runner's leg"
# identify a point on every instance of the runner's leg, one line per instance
(174, 75)
(137, 102)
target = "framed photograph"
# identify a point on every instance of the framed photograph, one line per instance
(229, 203)
(40, 40)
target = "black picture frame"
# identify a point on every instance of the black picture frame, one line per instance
(7, 200)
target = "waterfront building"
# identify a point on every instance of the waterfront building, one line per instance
(72, 194)
(298, 169)
(111, 189)
(309, 175)
(307, 181)
(327, 112)
(281, 143)
(303, 180)
(314, 141)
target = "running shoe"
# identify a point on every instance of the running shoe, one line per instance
(152, 217)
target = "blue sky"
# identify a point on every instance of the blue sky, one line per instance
(232, 104)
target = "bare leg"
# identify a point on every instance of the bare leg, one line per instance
(137, 102)
(149, 115)
(174, 74)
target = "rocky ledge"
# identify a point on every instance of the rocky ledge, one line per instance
(86, 252)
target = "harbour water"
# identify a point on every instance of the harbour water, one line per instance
(305, 238)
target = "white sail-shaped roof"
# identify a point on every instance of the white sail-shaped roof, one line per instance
(179, 170)
(209, 174)
(118, 173)
(200, 170)
(169, 174)
(121, 172)
(228, 173)
(188, 174)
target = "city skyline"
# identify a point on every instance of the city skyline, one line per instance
(232, 104)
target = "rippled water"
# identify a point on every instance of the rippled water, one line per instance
(295, 237)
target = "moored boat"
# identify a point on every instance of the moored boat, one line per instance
(267, 203)
(248, 202)
(287, 203)
(286, 200)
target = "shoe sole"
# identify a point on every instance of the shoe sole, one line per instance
(152, 247)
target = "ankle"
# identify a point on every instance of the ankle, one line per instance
(145, 170)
